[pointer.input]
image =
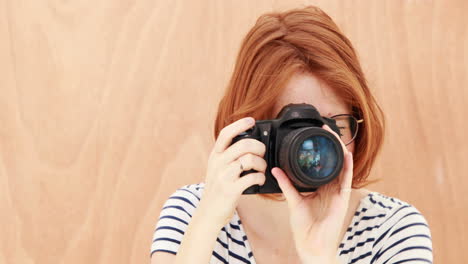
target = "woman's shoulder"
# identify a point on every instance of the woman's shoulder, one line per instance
(183, 200)
(386, 229)
(175, 216)
(389, 209)
(191, 190)
(384, 203)
(186, 197)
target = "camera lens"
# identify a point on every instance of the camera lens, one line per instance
(311, 156)
(317, 157)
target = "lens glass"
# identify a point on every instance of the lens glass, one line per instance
(317, 157)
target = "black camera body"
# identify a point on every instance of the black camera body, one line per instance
(296, 142)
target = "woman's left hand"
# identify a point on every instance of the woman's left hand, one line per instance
(317, 218)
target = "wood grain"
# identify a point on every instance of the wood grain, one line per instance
(106, 107)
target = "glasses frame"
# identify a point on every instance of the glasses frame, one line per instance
(358, 121)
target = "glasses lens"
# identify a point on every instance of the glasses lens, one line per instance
(348, 127)
(317, 157)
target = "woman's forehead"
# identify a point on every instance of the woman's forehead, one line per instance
(307, 88)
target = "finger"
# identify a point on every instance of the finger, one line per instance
(248, 180)
(289, 191)
(232, 130)
(242, 147)
(348, 175)
(233, 170)
(250, 161)
(326, 127)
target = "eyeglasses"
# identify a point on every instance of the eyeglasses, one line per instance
(348, 125)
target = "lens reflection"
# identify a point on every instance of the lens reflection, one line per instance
(317, 157)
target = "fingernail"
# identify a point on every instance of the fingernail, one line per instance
(272, 172)
(249, 120)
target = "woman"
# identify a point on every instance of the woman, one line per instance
(298, 56)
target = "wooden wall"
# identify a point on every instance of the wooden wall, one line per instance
(106, 107)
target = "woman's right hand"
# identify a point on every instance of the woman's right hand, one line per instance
(223, 184)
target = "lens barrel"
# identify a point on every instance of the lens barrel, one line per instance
(311, 156)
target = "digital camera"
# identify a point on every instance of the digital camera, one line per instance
(296, 142)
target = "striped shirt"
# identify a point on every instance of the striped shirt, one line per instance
(384, 230)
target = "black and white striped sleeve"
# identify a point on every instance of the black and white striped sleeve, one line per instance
(174, 218)
(407, 239)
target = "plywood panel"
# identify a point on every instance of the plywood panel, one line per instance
(106, 107)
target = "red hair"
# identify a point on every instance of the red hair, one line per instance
(302, 40)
